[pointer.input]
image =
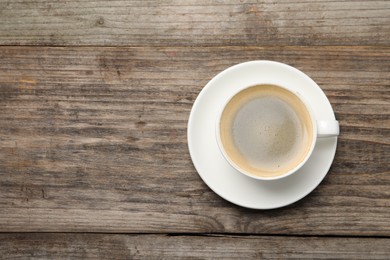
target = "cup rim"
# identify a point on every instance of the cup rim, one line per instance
(247, 173)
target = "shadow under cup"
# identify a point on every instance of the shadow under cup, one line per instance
(266, 131)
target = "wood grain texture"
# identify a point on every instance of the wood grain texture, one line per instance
(194, 22)
(99, 246)
(94, 140)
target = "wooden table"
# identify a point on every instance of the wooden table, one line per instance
(94, 103)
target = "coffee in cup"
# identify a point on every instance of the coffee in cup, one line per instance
(266, 131)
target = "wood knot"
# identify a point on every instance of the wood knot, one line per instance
(100, 21)
(141, 124)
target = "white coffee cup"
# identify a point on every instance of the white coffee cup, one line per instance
(267, 130)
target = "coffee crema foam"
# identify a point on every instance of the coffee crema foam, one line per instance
(266, 130)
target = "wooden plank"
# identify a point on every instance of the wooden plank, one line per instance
(194, 22)
(98, 246)
(94, 140)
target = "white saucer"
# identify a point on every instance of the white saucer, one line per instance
(217, 173)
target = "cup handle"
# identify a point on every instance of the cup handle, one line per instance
(327, 128)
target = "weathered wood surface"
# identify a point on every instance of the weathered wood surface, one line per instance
(106, 246)
(94, 140)
(194, 22)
